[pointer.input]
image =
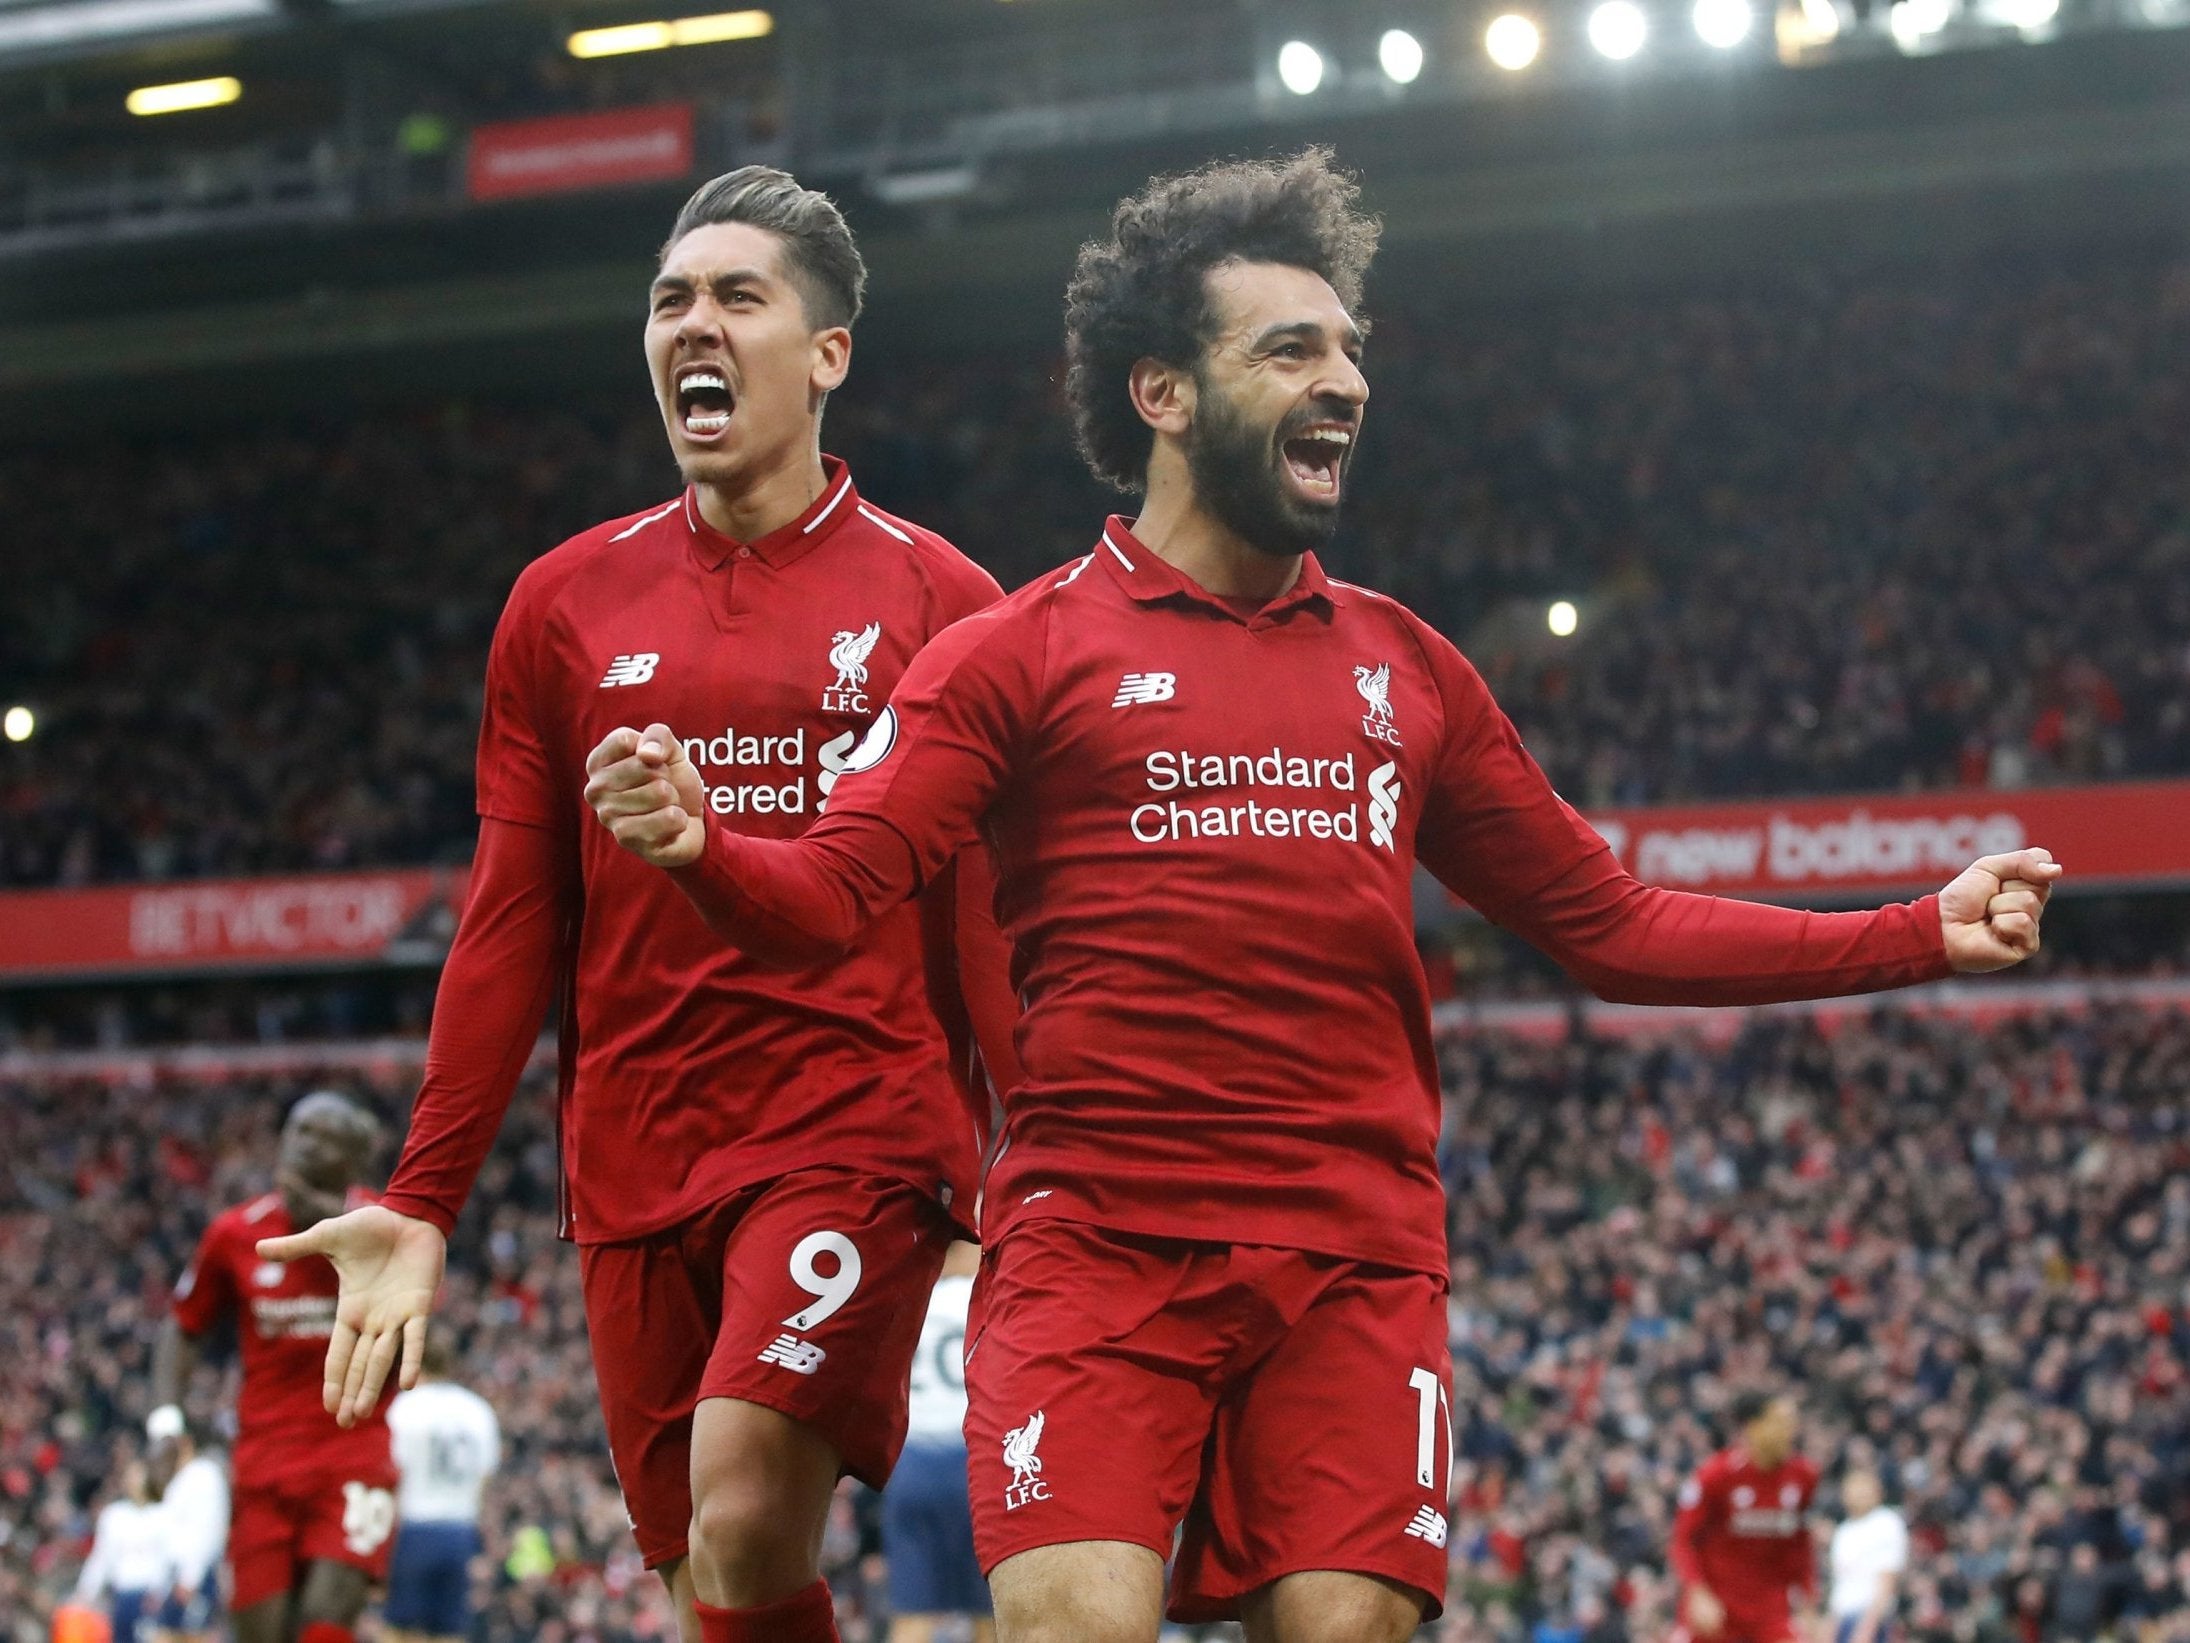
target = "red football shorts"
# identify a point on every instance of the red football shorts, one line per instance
(285, 1519)
(1291, 1409)
(804, 1294)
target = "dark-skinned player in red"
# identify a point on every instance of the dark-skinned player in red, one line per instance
(314, 1503)
(1213, 1296)
(1741, 1541)
(762, 1169)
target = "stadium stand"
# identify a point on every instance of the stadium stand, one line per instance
(1965, 1249)
(1969, 1249)
(1846, 534)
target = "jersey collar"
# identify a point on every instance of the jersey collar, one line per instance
(1150, 580)
(837, 502)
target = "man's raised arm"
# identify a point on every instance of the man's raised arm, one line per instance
(1496, 834)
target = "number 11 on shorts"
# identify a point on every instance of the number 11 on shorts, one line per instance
(1429, 1392)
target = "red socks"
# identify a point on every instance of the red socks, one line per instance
(325, 1631)
(803, 1617)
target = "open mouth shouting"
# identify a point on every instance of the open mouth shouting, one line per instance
(1315, 458)
(704, 402)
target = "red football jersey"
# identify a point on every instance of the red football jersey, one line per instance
(284, 1314)
(1205, 826)
(1744, 1532)
(689, 1070)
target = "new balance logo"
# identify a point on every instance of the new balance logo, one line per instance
(1429, 1525)
(1383, 804)
(634, 669)
(1145, 687)
(799, 1357)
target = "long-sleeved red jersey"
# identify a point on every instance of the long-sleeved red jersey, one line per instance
(1205, 824)
(689, 1068)
(1743, 1531)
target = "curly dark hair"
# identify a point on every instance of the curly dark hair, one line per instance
(1143, 293)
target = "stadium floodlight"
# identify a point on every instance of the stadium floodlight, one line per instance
(1617, 29)
(1400, 53)
(1913, 23)
(33, 27)
(18, 724)
(709, 29)
(1300, 67)
(184, 95)
(1723, 23)
(1562, 618)
(1512, 42)
(2030, 16)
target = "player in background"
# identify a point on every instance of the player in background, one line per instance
(1869, 1555)
(1741, 1539)
(762, 1170)
(314, 1501)
(129, 1565)
(1215, 1266)
(447, 1444)
(194, 1504)
(927, 1519)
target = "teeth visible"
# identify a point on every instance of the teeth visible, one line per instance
(708, 424)
(703, 379)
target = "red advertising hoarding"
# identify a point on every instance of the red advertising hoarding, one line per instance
(1808, 850)
(511, 159)
(2123, 833)
(219, 924)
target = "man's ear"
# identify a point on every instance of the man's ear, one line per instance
(1163, 395)
(832, 358)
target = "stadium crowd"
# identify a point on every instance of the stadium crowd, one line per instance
(1848, 533)
(1967, 1251)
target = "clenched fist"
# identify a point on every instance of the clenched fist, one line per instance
(1991, 911)
(646, 793)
